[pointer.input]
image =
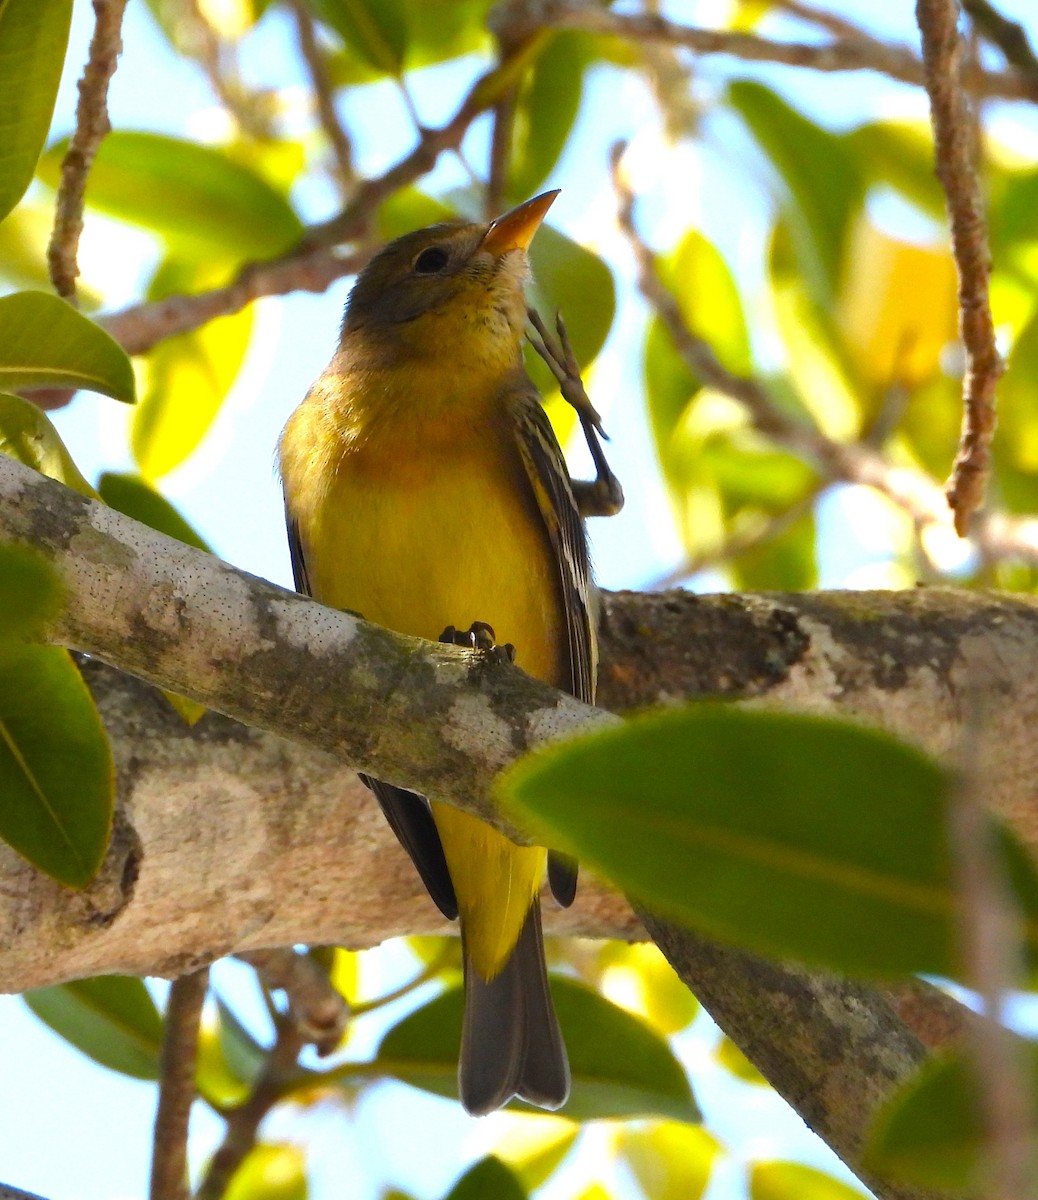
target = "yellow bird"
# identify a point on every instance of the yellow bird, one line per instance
(424, 488)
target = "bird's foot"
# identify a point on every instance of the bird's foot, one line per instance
(480, 636)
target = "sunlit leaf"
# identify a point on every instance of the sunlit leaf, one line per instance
(732, 1059)
(535, 1149)
(620, 1067)
(442, 29)
(27, 435)
(670, 1160)
(808, 838)
(638, 977)
(44, 342)
(111, 1018)
(33, 37)
(546, 108)
(894, 338)
(195, 197)
(1016, 438)
(797, 1181)
(785, 559)
(699, 279)
(31, 593)
(57, 778)
(819, 169)
(821, 369)
(375, 30)
(189, 377)
(24, 235)
(270, 1171)
(932, 1131)
(488, 1179)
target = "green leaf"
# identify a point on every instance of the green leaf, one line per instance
(570, 279)
(31, 593)
(488, 1179)
(44, 342)
(671, 1161)
(821, 172)
(270, 1171)
(408, 209)
(33, 37)
(697, 276)
(547, 106)
(785, 560)
(798, 836)
(900, 155)
(442, 29)
(796, 1181)
(1016, 438)
(198, 198)
(375, 30)
(111, 1018)
(932, 1132)
(57, 779)
(536, 1149)
(27, 436)
(620, 1067)
(136, 498)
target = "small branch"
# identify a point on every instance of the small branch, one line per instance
(1009, 36)
(91, 126)
(861, 53)
(956, 142)
(306, 269)
(12, 1193)
(319, 1011)
(177, 1086)
(334, 131)
(217, 59)
(244, 1121)
(500, 154)
(837, 26)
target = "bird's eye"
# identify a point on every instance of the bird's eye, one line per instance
(432, 260)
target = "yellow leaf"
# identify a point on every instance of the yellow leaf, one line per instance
(897, 308)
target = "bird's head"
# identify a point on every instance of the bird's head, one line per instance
(455, 286)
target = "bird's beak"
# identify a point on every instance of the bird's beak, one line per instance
(515, 230)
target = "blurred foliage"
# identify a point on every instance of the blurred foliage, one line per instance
(841, 299)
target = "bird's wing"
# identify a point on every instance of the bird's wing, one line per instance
(408, 813)
(549, 478)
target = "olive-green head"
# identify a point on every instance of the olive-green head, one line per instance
(448, 284)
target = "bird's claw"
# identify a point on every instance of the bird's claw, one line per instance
(480, 636)
(562, 362)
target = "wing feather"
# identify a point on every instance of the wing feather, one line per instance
(549, 478)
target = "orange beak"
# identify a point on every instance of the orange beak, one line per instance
(515, 230)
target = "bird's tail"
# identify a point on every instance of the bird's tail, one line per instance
(510, 1039)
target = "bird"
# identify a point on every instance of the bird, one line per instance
(425, 488)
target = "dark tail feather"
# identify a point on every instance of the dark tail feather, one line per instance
(510, 1039)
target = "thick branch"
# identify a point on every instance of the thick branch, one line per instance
(214, 820)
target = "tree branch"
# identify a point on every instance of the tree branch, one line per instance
(957, 146)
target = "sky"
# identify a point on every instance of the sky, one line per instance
(69, 1129)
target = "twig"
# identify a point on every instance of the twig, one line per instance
(991, 957)
(319, 1011)
(861, 53)
(177, 1086)
(828, 21)
(956, 141)
(500, 154)
(334, 131)
(244, 1121)
(1009, 36)
(603, 496)
(217, 59)
(91, 126)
